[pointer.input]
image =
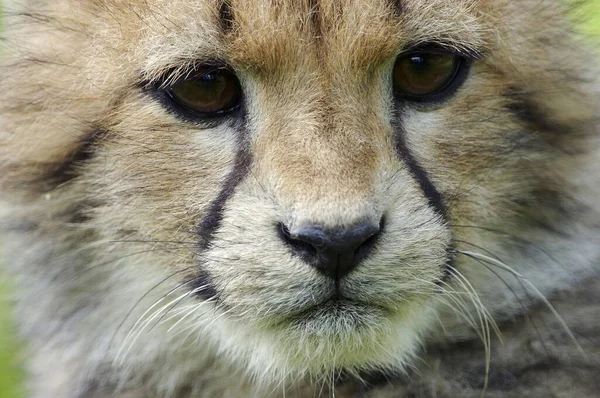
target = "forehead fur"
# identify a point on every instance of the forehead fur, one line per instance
(270, 36)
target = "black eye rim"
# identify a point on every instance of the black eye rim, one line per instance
(459, 76)
(161, 89)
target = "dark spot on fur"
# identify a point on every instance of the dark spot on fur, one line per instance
(498, 380)
(526, 110)
(78, 213)
(367, 381)
(43, 177)
(375, 379)
(89, 389)
(226, 16)
(68, 169)
(315, 18)
(205, 288)
(450, 264)
(556, 134)
(545, 207)
(397, 7)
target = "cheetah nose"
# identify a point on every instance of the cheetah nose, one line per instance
(333, 252)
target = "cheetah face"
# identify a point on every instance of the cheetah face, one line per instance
(322, 239)
(299, 186)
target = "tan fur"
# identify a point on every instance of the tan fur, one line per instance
(104, 189)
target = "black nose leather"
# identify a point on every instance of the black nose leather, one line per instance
(333, 252)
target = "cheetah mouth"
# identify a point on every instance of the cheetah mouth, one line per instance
(336, 314)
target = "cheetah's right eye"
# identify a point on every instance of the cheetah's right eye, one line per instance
(208, 92)
(424, 76)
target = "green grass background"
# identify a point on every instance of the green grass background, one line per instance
(11, 372)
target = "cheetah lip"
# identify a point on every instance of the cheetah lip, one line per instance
(336, 306)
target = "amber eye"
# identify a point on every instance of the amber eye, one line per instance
(208, 92)
(421, 75)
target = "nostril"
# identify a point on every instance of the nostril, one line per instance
(334, 252)
(305, 248)
(367, 246)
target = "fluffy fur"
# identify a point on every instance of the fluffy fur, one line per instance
(145, 247)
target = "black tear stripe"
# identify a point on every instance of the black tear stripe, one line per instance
(211, 222)
(213, 218)
(417, 172)
(420, 175)
(434, 197)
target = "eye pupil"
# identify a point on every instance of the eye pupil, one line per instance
(208, 93)
(420, 76)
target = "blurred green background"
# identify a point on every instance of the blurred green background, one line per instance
(590, 16)
(11, 373)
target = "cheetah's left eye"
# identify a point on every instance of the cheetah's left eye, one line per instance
(421, 76)
(207, 93)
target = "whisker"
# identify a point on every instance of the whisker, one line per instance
(522, 242)
(141, 325)
(143, 297)
(457, 299)
(485, 321)
(113, 260)
(509, 287)
(546, 302)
